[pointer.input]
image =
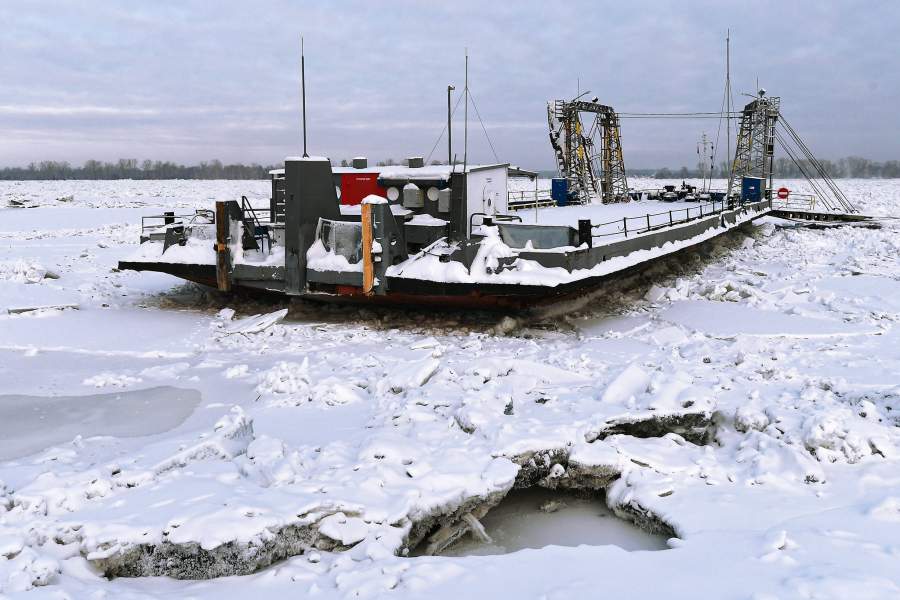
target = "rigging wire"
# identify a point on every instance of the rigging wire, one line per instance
(716, 116)
(819, 167)
(438, 140)
(817, 189)
(813, 163)
(679, 114)
(722, 111)
(483, 128)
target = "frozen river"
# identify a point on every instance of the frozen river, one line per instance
(148, 417)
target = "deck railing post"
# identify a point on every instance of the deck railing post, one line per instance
(670, 219)
(625, 225)
(223, 258)
(648, 221)
(584, 232)
(368, 259)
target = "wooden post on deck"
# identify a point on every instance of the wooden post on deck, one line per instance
(223, 260)
(368, 260)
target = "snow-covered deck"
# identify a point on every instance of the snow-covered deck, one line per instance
(614, 221)
(598, 213)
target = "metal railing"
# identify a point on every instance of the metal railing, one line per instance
(795, 201)
(157, 222)
(523, 199)
(248, 209)
(259, 228)
(660, 220)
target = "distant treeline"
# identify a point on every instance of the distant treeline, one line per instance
(850, 167)
(129, 168)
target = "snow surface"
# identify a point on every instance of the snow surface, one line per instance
(364, 420)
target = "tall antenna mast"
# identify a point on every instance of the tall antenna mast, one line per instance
(303, 93)
(466, 113)
(450, 88)
(728, 99)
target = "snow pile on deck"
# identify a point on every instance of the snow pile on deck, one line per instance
(319, 258)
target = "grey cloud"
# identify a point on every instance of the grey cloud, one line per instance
(191, 81)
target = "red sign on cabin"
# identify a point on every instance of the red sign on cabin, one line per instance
(356, 186)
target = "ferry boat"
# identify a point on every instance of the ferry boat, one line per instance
(439, 235)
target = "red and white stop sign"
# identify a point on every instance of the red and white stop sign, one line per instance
(783, 193)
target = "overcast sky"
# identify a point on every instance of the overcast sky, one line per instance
(190, 81)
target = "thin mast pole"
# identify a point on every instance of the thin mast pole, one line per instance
(303, 93)
(728, 101)
(466, 117)
(450, 88)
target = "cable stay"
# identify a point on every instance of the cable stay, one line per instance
(444, 130)
(467, 94)
(483, 128)
(812, 169)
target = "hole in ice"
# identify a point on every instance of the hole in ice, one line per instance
(537, 517)
(29, 424)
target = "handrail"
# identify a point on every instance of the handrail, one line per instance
(529, 199)
(711, 210)
(797, 201)
(175, 219)
(257, 223)
(247, 207)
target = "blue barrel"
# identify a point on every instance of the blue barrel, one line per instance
(752, 189)
(559, 190)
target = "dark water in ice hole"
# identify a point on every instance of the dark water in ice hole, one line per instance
(518, 523)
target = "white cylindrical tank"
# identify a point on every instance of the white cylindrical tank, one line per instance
(413, 196)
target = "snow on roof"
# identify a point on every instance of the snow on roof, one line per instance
(393, 172)
(439, 172)
(308, 158)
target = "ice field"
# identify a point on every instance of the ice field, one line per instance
(151, 427)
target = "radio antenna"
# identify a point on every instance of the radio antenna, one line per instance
(466, 117)
(303, 93)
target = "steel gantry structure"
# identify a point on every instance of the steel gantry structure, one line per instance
(590, 174)
(755, 150)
